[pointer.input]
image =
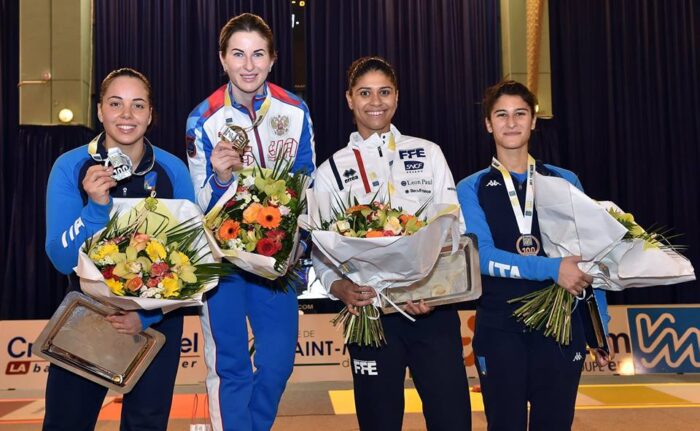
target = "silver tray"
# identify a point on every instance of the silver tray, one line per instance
(79, 339)
(454, 278)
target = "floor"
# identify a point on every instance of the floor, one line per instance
(638, 403)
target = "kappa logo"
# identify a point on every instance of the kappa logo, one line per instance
(493, 183)
(577, 357)
(350, 175)
(368, 368)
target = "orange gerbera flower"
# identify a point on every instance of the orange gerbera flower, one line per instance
(374, 234)
(229, 230)
(356, 208)
(269, 217)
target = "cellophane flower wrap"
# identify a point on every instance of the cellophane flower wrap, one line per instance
(615, 251)
(152, 254)
(254, 224)
(377, 244)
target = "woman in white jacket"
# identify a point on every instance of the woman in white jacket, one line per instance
(378, 157)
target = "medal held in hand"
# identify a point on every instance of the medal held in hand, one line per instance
(235, 135)
(120, 162)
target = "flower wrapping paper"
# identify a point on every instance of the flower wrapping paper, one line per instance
(571, 223)
(384, 262)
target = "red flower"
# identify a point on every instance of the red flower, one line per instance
(230, 203)
(153, 281)
(268, 247)
(291, 192)
(159, 269)
(107, 273)
(388, 233)
(276, 235)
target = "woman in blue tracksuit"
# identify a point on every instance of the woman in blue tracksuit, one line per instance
(78, 203)
(276, 123)
(516, 365)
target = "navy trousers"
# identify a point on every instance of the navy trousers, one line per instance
(517, 368)
(431, 348)
(73, 403)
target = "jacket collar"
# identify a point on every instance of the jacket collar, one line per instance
(375, 140)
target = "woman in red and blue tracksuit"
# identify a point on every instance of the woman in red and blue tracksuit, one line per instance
(277, 124)
(517, 365)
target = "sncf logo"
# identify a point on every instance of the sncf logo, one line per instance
(418, 153)
(413, 166)
(665, 340)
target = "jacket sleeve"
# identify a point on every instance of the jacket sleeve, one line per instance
(68, 222)
(326, 272)
(207, 189)
(180, 178)
(444, 190)
(491, 259)
(306, 154)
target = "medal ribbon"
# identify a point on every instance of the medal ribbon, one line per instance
(524, 219)
(259, 114)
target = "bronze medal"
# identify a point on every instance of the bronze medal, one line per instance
(527, 245)
(235, 135)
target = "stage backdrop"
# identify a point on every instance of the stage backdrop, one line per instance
(625, 88)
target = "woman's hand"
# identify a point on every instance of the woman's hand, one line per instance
(352, 295)
(97, 182)
(417, 308)
(126, 322)
(602, 358)
(571, 277)
(225, 160)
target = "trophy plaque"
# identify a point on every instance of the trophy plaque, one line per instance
(79, 339)
(594, 329)
(455, 277)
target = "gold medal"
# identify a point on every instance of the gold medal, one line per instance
(527, 245)
(236, 136)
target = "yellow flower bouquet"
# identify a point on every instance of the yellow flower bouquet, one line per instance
(146, 258)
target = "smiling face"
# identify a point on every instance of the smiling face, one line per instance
(510, 121)
(125, 111)
(247, 62)
(373, 100)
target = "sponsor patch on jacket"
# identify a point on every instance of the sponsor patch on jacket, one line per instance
(412, 166)
(417, 153)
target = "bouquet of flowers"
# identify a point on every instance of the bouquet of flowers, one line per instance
(144, 258)
(378, 245)
(616, 251)
(254, 224)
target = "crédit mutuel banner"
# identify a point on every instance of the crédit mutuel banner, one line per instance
(649, 339)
